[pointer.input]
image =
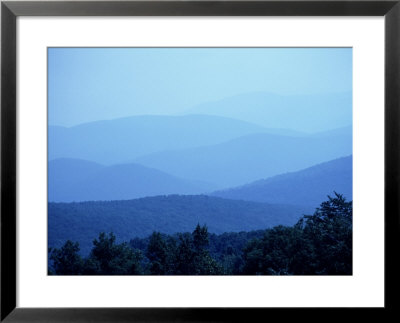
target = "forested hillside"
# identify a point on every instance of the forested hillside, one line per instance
(318, 244)
(306, 187)
(199, 161)
(168, 214)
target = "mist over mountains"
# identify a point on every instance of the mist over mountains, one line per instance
(236, 164)
(307, 187)
(195, 154)
(249, 158)
(73, 180)
(305, 113)
(199, 161)
(122, 140)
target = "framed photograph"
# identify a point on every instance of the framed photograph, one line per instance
(198, 160)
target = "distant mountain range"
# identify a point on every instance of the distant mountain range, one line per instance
(251, 157)
(307, 187)
(83, 222)
(309, 113)
(121, 140)
(79, 180)
(74, 180)
(166, 173)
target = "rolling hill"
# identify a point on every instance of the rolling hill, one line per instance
(307, 187)
(121, 140)
(249, 158)
(64, 172)
(309, 113)
(342, 131)
(80, 180)
(83, 221)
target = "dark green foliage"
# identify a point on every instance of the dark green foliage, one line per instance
(272, 255)
(319, 244)
(171, 214)
(200, 238)
(109, 258)
(329, 231)
(106, 258)
(66, 261)
(159, 255)
(203, 263)
(227, 249)
(186, 254)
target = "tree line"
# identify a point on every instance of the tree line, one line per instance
(318, 244)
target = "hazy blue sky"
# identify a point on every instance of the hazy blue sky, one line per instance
(87, 84)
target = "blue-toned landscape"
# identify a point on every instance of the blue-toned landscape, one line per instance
(200, 161)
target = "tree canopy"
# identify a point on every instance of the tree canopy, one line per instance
(318, 244)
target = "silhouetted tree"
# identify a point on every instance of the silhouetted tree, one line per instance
(330, 232)
(157, 253)
(109, 258)
(184, 255)
(203, 263)
(320, 244)
(67, 261)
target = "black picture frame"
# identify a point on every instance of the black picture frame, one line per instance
(10, 10)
